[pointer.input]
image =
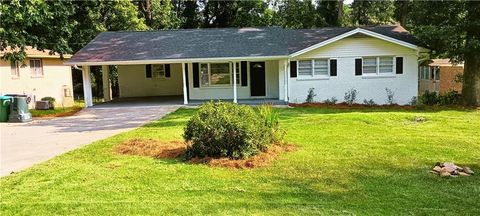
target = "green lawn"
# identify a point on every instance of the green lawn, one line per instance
(363, 162)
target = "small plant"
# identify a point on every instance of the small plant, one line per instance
(271, 120)
(351, 96)
(51, 101)
(311, 95)
(428, 98)
(370, 102)
(330, 101)
(413, 101)
(390, 95)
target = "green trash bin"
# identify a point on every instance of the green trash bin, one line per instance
(19, 109)
(4, 108)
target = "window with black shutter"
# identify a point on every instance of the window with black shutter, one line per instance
(243, 70)
(148, 71)
(167, 70)
(358, 67)
(293, 69)
(399, 65)
(333, 67)
(196, 75)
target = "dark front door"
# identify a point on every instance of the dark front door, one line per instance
(257, 78)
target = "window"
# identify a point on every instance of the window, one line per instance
(305, 68)
(204, 74)
(158, 71)
(369, 65)
(378, 65)
(36, 68)
(386, 65)
(437, 73)
(314, 67)
(15, 72)
(219, 74)
(321, 67)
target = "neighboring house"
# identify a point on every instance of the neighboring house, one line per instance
(257, 63)
(39, 75)
(440, 76)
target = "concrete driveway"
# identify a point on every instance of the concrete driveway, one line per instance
(25, 144)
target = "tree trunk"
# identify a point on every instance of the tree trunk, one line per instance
(340, 12)
(471, 80)
(403, 11)
(146, 9)
(471, 73)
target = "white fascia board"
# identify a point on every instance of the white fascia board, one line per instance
(350, 33)
(171, 61)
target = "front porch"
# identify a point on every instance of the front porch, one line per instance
(246, 81)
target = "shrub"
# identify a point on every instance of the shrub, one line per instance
(450, 98)
(413, 101)
(390, 95)
(428, 98)
(311, 94)
(330, 101)
(271, 121)
(350, 96)
(370, 102)
(222, 129)
(50, 100)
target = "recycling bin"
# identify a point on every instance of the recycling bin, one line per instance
(19, 109)
(4, 108)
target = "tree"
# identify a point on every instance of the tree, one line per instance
(331, 11)
(190, 15)
(452, 30)
(372, 12)
(297, 14)
(163, 15)
(402, 8)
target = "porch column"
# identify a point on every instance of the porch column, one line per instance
(234, 82)
(107, 86)
(185, 96)
(87, 86)
(285, 80)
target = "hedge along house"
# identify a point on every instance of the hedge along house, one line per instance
(257, 63)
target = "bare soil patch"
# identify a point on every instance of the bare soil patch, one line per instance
(262, 159)
(176, 149)
(152, 148)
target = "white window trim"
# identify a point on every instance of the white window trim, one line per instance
(378, 74)
(158, 78)
(41, 69)
(230, 69)
(313, 76)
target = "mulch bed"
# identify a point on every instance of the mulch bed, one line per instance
(353, 106)
(62, 114)
(176, 149)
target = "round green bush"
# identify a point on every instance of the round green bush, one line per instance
(221, 129)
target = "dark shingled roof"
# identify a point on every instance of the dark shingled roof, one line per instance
(213, 43)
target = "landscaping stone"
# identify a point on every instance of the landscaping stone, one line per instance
(447, 169)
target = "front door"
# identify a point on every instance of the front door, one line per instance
(257, 79)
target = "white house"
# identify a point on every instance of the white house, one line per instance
(258, 63)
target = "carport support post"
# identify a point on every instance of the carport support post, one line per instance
(234, 82)
(107, 86)
(185, 96)
(87, 86)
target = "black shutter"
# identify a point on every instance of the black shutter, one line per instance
(196, 76)
(243, 66)
(333, 67)
(358, 67)
(167, 70)
(148, 71)
(293, 69)
(399, 65)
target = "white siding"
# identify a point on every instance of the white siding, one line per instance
(403, 85)
(133, 82)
